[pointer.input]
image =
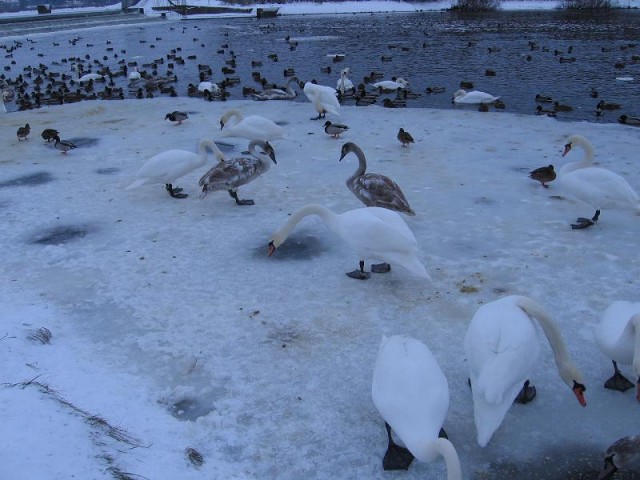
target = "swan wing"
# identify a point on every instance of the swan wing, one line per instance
(376, 190)
(230, 174)
(168, 166)
(601, 188)
(615, 334)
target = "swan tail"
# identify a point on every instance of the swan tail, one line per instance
(135, 184)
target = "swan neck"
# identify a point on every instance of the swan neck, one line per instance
(204, 144)
(362, 162)
(587, 159)
(324, 213)
(447, 451)
(233, 113)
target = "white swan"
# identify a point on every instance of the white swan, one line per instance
(618, 337)
(232, 173)
(502, 347)
(473, 97)
(286, 93)
(209, 88)
(373, 232)
(623, 455)
(412, 395)
(134, 74)
(323, 98)
(374, 189)
(391, 85)
(166, 167)
(344, 85)
(253, 127)
(88, 77)
(598, 187)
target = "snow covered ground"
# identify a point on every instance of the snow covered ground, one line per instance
(171, 328)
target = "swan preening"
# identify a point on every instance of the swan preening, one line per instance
(598, 187)
(502, 346)
(473, 97)
(286, 93)
(166, 167)
(622, 455)
(374, 233)
(232, 173)
(252, 127)
(412, 395)
(323, 98)
(618, 337)
(374, 189)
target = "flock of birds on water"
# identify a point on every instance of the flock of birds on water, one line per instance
(409, 388)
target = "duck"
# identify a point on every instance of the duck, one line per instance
(23, 132)
(374, 189)
(628, 120)
(252, 127)
(50, 134)
(543, 98)
(435, 89)
(543, 111)
(502, 347)
(473, 97)
(286, 93)
(323, 98)
(229, 174)
(411, 393)
(598, 187)
(168, 166)
(345, 86)
(373, 232)
(559, 107)
(608, 105)
(543, 175)
(622, 455)
(396, 83)
(177, 117)
(617, 335)
(404, 137)
(63, 145)
(334, 129)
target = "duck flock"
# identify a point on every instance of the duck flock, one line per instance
(409, 389)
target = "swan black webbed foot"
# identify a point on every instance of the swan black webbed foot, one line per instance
(583, 222)
(381, 268)
(320, 116)
(527, 393)
(175, 192)
(359, 274)
(618, 381)
(239, 201)
(396, 457)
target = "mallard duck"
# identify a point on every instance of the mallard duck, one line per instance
(23, 132)
(404, 137)
(608, 106)
(435, 89)
(176, 117)
(543, 175)
(627, 120)
(334, 129)
(49, 134)
(543, 111)
(63, 145)
(543, 98)
(559, 107)
(232, 173)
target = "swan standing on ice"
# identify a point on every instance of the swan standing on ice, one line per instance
(373, 232)
(323, 98)
(473, 97)
(166, 167)
(502, 348)
(623, 455)
(412, 395)
(598, 187)
(253, 127)
(230, 174)
(618, 337)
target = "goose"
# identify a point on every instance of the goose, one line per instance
(396, 83)
(345, 86)
(474, 97)
(49, 134)
(253, 127)
(63, 145)
(23, 132)
(373, 232)
(176, 117)
(334, 129)
(502, 348)
(232, 173)
(374, 189)
(166, 167)
(88, 77)
(628, 120)
(323, 98)
(404, 137)
(286, 93)
(411, 394)
(543, 175)
(618, 337)
(598, 187)
(623, 455)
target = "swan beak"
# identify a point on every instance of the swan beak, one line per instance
(578, 391)
(608, 470)
(567, 149)
(272, 248)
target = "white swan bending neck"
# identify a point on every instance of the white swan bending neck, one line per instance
(324, 213)
(444, 448)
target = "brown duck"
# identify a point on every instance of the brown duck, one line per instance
(543, 175)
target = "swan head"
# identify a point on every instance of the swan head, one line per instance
(347, 148)
(574, 140)
(573, 378)
(266, 148)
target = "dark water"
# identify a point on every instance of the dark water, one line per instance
(428, 49)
